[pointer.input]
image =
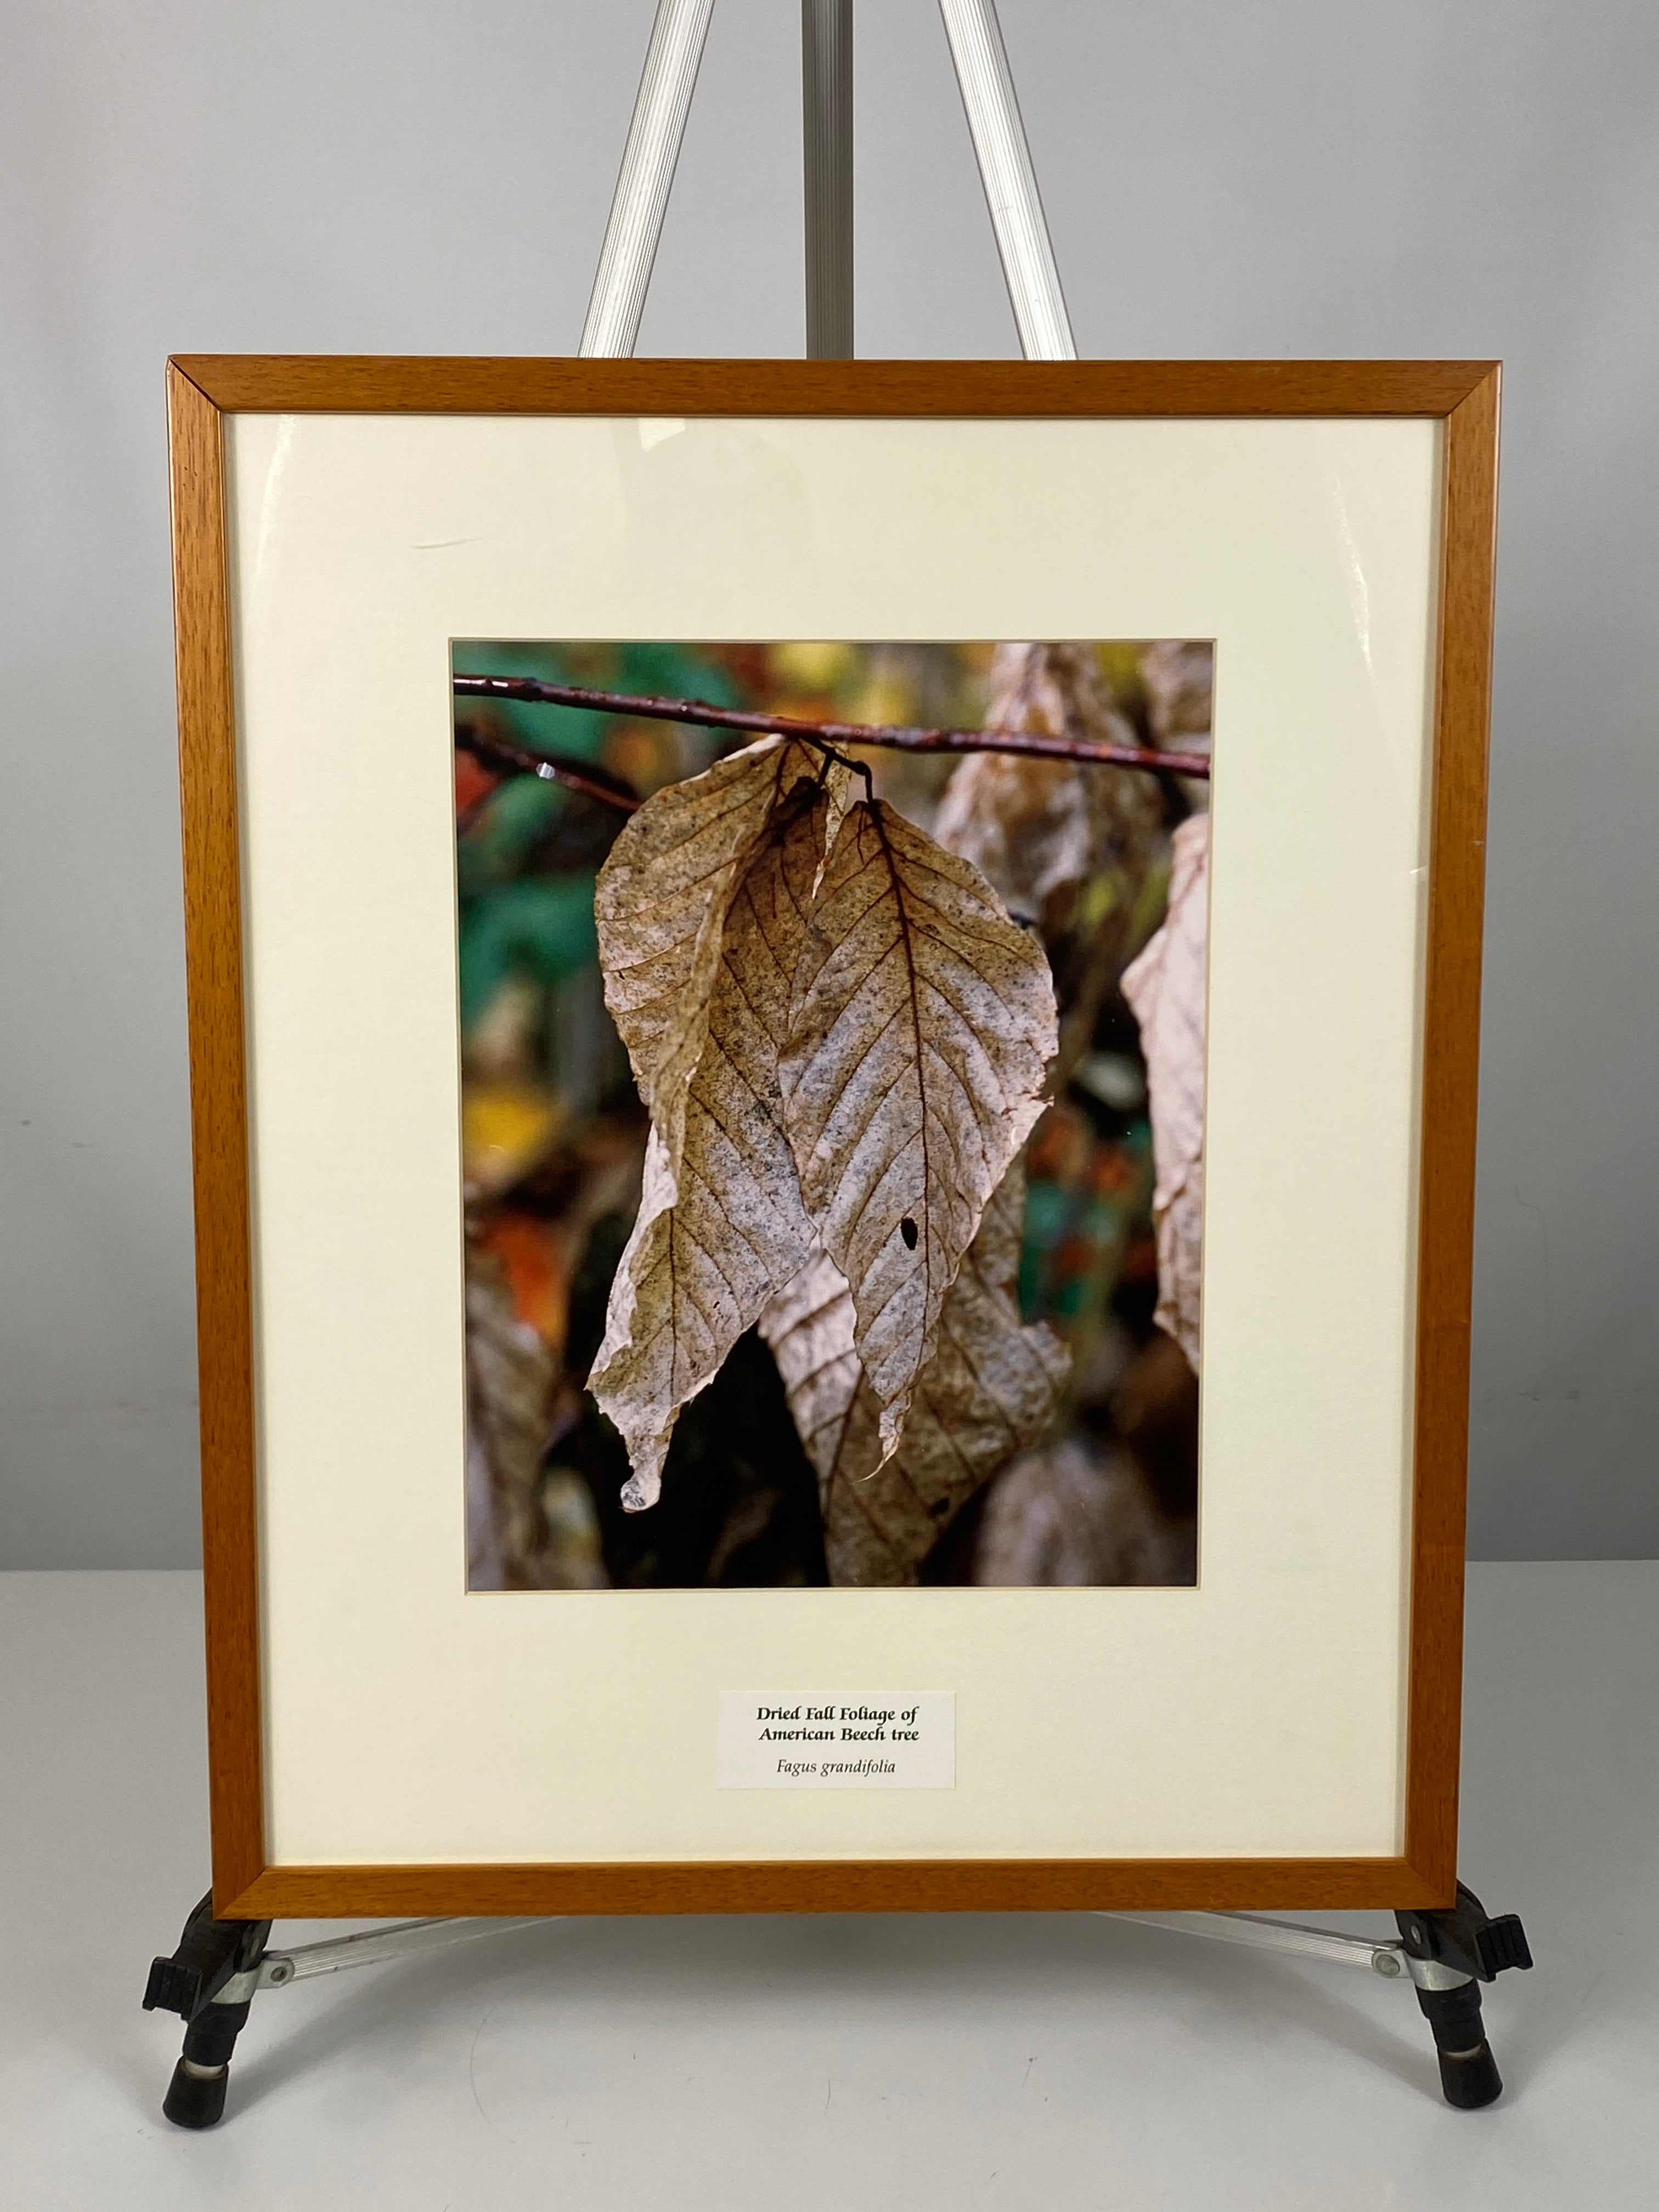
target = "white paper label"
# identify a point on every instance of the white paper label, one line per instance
(865, 1742)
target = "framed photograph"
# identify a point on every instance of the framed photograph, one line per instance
(834, 1021)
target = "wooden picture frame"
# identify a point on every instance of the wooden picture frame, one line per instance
(203, 391)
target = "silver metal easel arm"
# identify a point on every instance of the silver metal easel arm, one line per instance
(1010, 180)
(648, 162)
(1384, 1956)
(407, 1939)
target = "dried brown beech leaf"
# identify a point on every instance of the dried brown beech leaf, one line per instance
(809, 1326)
(510, 1375)
(1165, 985)
(1039, 829)
(1071, 1515)
(987, 1393)
(923, 1024)
(1179, 681)
(661, 901)
(721, 1226)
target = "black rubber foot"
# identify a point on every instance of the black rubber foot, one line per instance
(195, 2100)
(1470, 2078)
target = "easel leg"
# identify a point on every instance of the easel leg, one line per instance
(1009, 178)
(1449, 1955)
(640, 201)
(1469, 2072)
(1446, 1955)
(209, 1981)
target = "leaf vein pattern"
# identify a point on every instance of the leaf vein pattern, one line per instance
(691, 1236)
(871, 1188)
(880, 1097)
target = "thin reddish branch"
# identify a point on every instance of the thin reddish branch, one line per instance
(527, 690)
(553, 768)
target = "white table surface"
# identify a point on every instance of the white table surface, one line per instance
(959, 2061)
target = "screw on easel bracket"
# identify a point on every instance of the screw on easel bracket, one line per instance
(208, 1980)
(1449, 1955)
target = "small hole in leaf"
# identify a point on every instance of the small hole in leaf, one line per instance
(907, 1232)
(940, 1508)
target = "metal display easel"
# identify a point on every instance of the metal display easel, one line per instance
(212, 1977)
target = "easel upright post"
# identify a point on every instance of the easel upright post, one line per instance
(826, 59)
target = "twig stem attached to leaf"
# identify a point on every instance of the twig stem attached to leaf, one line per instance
(526, 691)
(553, 768)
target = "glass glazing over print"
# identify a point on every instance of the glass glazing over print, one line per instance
(833, 1102)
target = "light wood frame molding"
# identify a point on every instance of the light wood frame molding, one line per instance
(1463, 396)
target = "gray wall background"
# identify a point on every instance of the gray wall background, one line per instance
(1274, 177)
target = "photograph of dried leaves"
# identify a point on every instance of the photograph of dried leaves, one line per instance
(832, 1028)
